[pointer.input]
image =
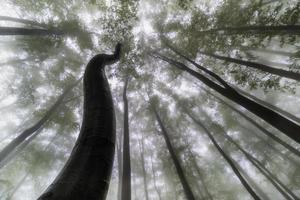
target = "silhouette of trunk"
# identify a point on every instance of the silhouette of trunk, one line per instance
(268, 51)
(154, 179)
(30, 131)
(119, 156)
(198, 171)
(280, 29)
(126, 178)
(254, 185)
(86, 174)
(262, 67)
(187, 189)
(226, 157)
(23, 21)
(262, 129)
(283, 124)
(275, 181)
(17, 187)
(270, 106)
(141, 144)
(30, 31)
(20, 148)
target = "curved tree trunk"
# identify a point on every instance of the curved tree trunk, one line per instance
(86, 174)
(30, 131)
(283, 124)
(186, 187)
(126, 177)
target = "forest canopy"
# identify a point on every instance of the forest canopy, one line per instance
(205, 93)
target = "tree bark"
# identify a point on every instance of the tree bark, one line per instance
(186, 187)
(119, 156)
(29, 31)
(30, 131)
(283, 124)
(126, 177)
(154, 179)
(226, 157)
(86, 174)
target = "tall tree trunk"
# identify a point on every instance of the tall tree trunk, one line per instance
(268, 51)
(275, 181)
(262, 129)
(86, 174)
(288, 127)
(154, 179)
(29, 31)
(186, 187)
(126, 178)
(119, 156)
(23, 21)
(30, 131)
(226, 157)
(280, 29)
(254, 185)
(262, 67)
(142, 151)
(270, 106)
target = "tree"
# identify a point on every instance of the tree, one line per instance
(86, 174)
(187, 190)
(38, 125)
(126, 172)
(286, 126)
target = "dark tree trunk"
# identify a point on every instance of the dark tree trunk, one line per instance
(226, 157)
(86, 174)
(30, 131)
(269, 51)
(126, 177)
(262, 67)
(142, 150)
(283, 124)
(186, 187)
(119, 156)
(23, 21)
(262, 129)
(29, 31)
(280, 29)
(270, 106)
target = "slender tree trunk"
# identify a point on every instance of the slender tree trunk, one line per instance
(254, 185)
(23, 21)
(270, 106)
(119, 156)
(30, 131)
(280, 29)
(186, 187)
(126, 178)
(226, 157)
(268, 51)
(275, 182)
(29, 31)
(262, 129)
(200, 175)
(17, 187)
(154, 179)
(86, 175)
(142, 150)
(262, 67)
(288, 127)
